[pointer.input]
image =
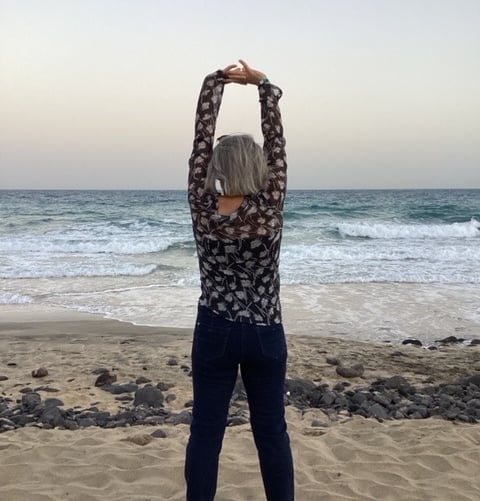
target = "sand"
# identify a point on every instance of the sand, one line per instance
(350, 459)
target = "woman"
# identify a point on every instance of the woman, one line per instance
(239, 324)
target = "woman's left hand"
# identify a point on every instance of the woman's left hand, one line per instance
(234, 74)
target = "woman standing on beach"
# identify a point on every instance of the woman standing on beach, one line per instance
(239, 324)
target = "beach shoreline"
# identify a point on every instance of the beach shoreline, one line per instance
(337, 457)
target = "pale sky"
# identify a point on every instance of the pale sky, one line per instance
(102, 93)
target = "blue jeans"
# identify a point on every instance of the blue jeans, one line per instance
(219, 348)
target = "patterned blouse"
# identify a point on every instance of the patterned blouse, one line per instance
(239, 254)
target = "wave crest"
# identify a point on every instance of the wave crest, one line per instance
(470, 229)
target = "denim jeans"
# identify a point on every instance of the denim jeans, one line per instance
(220, 347)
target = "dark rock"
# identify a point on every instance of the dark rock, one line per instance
(382, 399)
(3, 378)
(445, 401)
(124, 398)
(158, 434)
(332, 360)
(414, 342)
(378, 411)
(142, 380)
(237, 420)
(70, 424)
(474, 342)
(40, 372)
(299, 387)
(117, 389)
(6, 424)
(53, 417)
(172, 362)
(340, 386)
(100, 370)
(23, 419)
(170, 397)
(185, 368)
(184, 417)
(47, 389)
(11, 364)
(31, 400)
(432, 347)
(26, 389)
(475, 379)
(474, 402)
(418, 412)
(239, 393)
(450, 340)
(313, 399)
(84, 422)
(400, 384)
(53, 402)
(105, 378)
(359, 398)
(165, 386)
(188, 403)
(352, 371)
(328, 398)
(452, 389)
(155, 420)
(148, 395)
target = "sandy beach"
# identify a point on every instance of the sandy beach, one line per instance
(340, 458)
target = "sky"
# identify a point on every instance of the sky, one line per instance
(101, 94)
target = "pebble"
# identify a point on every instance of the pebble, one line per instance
(105, 378)
(413, 342)
(165, 386)
(148, 395)
(170, 397)
(332, 360)
(40, 372)
(159, 434)
(352, 371)
(117, 389)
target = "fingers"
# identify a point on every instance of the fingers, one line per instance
(229, 68)
(245, 65)
(236, 78)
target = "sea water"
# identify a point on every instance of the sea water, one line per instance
(130, 255)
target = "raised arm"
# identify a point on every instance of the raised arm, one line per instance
(208, 106)
(274, 141)
(272, 129)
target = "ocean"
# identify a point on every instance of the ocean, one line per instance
(130, 255)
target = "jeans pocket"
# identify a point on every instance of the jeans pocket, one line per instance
(272, 340)
(210, 337)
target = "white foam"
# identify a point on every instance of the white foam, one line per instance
(469, 229)
(56, 269)
(12, 298)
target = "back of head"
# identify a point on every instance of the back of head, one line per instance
(239, 163)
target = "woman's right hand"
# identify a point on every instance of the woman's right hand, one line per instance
(244, 75)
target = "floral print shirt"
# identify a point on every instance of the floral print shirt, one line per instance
(239, 254)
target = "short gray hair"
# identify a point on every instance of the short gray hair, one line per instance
(239, 163)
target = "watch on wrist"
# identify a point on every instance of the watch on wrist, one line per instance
(264, 81)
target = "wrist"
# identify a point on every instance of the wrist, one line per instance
(263, 81)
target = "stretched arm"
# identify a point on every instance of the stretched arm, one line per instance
(208, 106)
(272, 129)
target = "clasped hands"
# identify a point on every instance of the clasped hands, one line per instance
(243, 74)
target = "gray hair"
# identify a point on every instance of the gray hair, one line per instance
(239, 163)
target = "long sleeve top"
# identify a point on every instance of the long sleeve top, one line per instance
(239, 254)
